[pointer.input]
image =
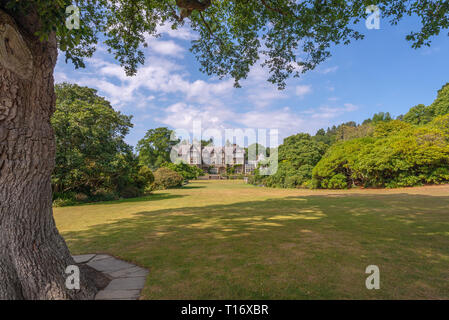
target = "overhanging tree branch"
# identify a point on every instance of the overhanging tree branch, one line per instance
(266, 5)
(207, 25)
(187, 7)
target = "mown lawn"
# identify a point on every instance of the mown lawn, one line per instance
(228, 240)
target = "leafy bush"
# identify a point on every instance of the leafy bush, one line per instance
(399, 155)
(255, 180)
(69, 199)
(131, 192)
(60, 202)
(102, 194)
(338, 181)
(144, 178)
(233, 169)
(165, 178)
(81, 197)
(438, 176)
(61, 199)
(188, 172)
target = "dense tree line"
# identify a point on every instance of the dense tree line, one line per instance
(93, 161)
(381, 152)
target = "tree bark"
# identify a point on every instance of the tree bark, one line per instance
(33, 255)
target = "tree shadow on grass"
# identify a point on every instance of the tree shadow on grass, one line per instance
(193, 187)
(351, 213)
(150, 197)
(323, 239)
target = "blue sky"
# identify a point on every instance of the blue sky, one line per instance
(380, 73)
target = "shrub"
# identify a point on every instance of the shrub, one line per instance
(131, 192)
(145, 177)
(439, 175)
(103, 195)
(338, 181)
(81, 197)
(61, 199)
(165, 178)
(405, 180)
(253, 180)
(63, 202)
(397, 156)
(188, 172)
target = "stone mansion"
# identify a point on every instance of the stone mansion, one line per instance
(215, 160)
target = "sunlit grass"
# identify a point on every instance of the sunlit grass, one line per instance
(228, 240)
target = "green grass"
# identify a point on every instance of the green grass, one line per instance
(228, 240)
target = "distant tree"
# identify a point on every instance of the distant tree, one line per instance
(254, 150)
(324, 136)
(341, 132)
(297, 156)
(379, 117)
(440, 106)
(421, 114)
(207, 143)
(154, 149)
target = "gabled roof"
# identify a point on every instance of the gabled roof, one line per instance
(185, 149)
(228, 150)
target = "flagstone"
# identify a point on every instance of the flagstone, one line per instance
(127, 279)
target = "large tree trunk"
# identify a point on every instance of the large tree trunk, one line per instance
(33, 256)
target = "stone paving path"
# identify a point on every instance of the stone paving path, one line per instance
(127, 281)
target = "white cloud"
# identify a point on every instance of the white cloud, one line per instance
(329, 70)
(181, 116)
(167, 48)
(263, 96)
(259, 92)
(165, 79)
(208, 93)
(350, 107)
(302, 90)
(158, 75)
(283, 119)
(60, 77)
(182, 33)
(326, 112)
